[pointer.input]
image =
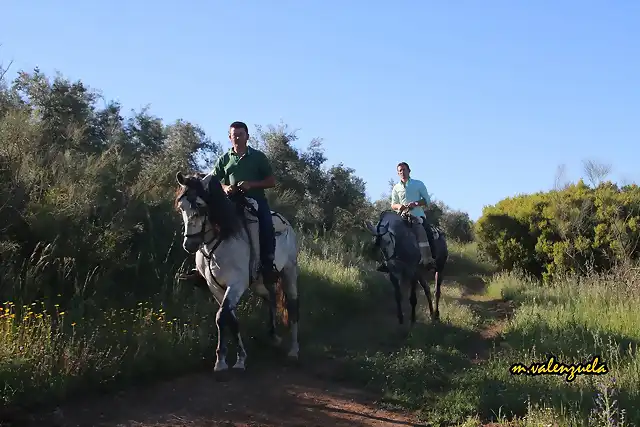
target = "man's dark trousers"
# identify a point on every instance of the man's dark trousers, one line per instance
(267, 236)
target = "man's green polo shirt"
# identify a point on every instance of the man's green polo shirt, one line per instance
(230, 169)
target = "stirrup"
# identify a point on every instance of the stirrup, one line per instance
(191, 275)
(383, 268)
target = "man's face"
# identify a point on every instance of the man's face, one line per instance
(238, 138)
(403, 173)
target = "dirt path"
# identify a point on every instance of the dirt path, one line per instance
(494, 312)
(282, 396)
(286, 396)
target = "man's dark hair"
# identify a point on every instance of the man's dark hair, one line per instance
(239, 125)
(404, 164)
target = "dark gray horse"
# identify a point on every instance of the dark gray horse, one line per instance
(399, 246)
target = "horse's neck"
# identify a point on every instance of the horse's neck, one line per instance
(238, 234)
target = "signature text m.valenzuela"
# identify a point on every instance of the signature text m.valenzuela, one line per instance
(552, 367)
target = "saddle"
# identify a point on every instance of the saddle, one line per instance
(248, 209)
(411, 220)
(416, 225)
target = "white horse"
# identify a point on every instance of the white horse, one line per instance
(224, 234)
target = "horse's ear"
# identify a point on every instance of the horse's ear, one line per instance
(370, 228)
(181, 178)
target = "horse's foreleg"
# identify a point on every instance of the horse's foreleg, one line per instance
(427, 292)
(221, 348)
(229, 318)
(398, 295)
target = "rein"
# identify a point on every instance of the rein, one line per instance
(393, 243)
(241, 202)
(202, 233)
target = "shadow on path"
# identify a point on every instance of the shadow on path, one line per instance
(280, 397)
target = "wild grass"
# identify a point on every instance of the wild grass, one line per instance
(48, 354)
(574, 319)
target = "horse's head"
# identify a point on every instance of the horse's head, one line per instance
(192, 200)
(382, 238)
(206, 210)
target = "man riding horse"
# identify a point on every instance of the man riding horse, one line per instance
(411, 195)
(248, 169)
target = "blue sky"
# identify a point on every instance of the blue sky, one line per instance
(484, 99)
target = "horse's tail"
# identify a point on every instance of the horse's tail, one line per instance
(281, 297)
(281, 302)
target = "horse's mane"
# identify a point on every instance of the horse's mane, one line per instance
(389, 215)
(221, 210)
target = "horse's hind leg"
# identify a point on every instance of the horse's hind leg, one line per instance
(290, 287)
(427, 292)
(436, 315)
(271, 303)
(413, 299)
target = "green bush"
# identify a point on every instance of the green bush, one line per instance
(576, 229)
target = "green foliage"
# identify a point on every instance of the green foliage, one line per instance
(98, 187)
(334, 199)
(576, 229)
(89, 230)
(93, 188)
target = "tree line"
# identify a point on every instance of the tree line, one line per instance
(86, 191)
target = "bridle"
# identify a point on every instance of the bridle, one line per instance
(203, 211)
(392, 237)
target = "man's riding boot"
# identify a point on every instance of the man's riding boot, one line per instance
(423, 243)
(432, 245)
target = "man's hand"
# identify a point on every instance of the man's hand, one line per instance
(244, 185)
(229, 189)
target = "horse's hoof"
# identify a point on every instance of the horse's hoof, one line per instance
(275, 341)
(239, 366)
(436, 316)
(220, 366)
(292, 359)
